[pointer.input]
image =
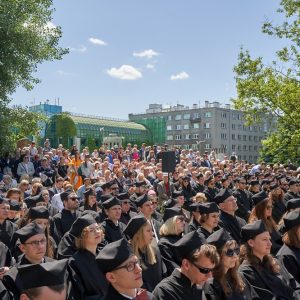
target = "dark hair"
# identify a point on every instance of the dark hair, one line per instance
(35, 292)
(290, 238)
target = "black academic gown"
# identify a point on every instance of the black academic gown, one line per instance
(177, 287)
(276, 240)
(244, 203)
(62, 223)
(278, 210)
(205, 233)
(267, 285)
(232, 224)
(4, 293)
(152, 274)
(210, 193)
(213, 291)
(113, 232)
(87, 280)
(165, 246)
(193, 225)
(6, 259)
(289, 256)
(125, 217)
(112, 294)
(7, 230)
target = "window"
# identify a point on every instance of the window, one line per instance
(244, 147)
(169, 137)
(178, 127)
(250, 128)
(195, 146)
(195, 136)
(169, 127)
(250, 158)
(187, 136)
(223, 114)
(255, 148)
(255, 138)
(196, 126)
(244, 128)
(233, 136)
(206, 125)
(207, 114)
(223, 136)
(178, 137)
(223, 125)
(233, 126)
(196, 115)
(255, 128)
(239, 137)
(186, 126)
(244, 138)
(250, 148)
(207, 146)
(233, 147)
(178, 117)
(169, 118)
(250, 138)
(240, 127)
(207, 135)
(186, 116)
(239, 117)
(233, 116)
(239, 147)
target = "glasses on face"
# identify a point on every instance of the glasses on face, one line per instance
(231, 252)
(73, 198)
(202, 270)
(130, 266)
(37, 243)
(154, 202)
(95, 229)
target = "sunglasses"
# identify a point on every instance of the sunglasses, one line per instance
(73, 198)
(202, 270)
(231, 252)
(154, 202)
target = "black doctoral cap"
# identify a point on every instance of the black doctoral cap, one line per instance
(15, 205)
(257, 198)
(90, 191)
(250, 231)
(80, 223)
(291, 220)
(176, 194)
(113, 255)
(293, 203)
(273, 186)
(4, 200)
(28, 231)
(254, 182)
(219, 238)
(44, 274)
(209, 207)
(265, 181)
(123, 196)
(141, 200)
(134, 225)
(93, 213)
(188, 244)
(195, 207)
(292, 182)
(140, 183)
(222, 196)
(38, 212)
(111, 202)
(172, 212)
(169, 203)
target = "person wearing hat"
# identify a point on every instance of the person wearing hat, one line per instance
(269, 279)
(291, 205)
(228, 220)
(199, 183)
(44, 200)
(123, 272)
(156, 209)
(43, 281)
(227, 283)
(90, 200)
(263, 211)
(178, 197)
(62, 222)
(7, 228)
(289, 253)
(14, 211)
(171, 231)
(87, 280)
(209, 218)
(187, 189)
(140, 189)
(194, 223)
(145, 208)
(243, 199)
(140, 235)
(196, 262)
(127, 212)
(254, 187)
(113, 228)
(210, 189)
(276, 196)
(292, 191)
(33, 245)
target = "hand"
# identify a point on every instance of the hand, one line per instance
(3, 271)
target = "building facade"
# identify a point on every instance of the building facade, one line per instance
(212, 127)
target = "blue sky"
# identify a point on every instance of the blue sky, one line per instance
(125, 54)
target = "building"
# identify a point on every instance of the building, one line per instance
(212, 127)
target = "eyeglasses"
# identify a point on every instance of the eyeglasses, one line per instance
(37, 243)
(202, 270)
(231, 252)
(130, 266)
(73, 198)
(154, 202)
(95, 229)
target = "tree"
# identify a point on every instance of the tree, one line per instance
(273, 90)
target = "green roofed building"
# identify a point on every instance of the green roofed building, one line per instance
(85, 130)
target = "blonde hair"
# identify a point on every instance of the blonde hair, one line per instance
(80, 241)
(138, 245)
(169, 227)
(200, 198)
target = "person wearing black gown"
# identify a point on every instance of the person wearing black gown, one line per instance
(269, 279)
(87, 281)
(140, 235)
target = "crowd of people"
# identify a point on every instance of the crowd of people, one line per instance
(110, 224)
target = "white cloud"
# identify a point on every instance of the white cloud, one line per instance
(146, 53)
(50, 25)
(79, 49)
(125, 72)
(180, 76)
(150, 66)
(96, 41)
